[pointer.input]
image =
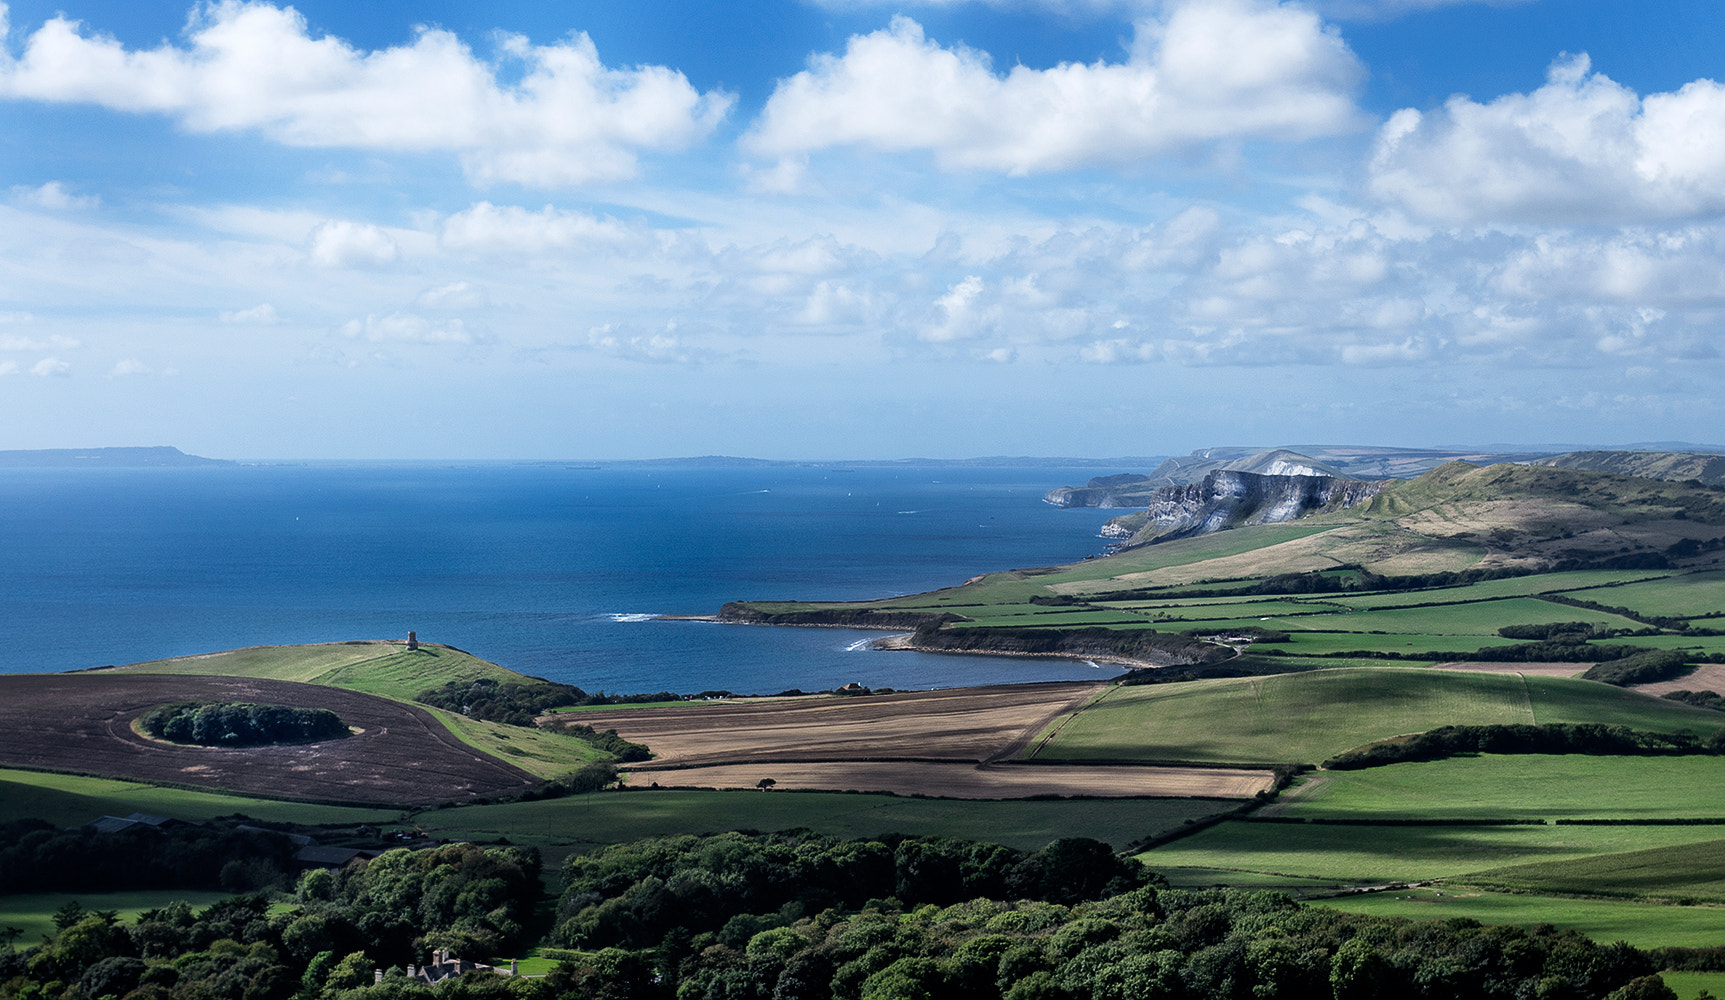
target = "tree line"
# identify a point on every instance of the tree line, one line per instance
(796, 916)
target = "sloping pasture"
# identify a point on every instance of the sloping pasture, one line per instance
(1515, 786)
(1308, 717)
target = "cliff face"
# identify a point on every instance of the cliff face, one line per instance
(1227, 499)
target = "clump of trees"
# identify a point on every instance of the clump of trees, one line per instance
(36, 856)
(1553, 738)
(608, 741)
(240, 724)
(1643, 667)
(518, 704)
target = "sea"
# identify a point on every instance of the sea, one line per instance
(555, 570)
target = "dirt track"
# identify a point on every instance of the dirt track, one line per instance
(82, 723)
(1531, 669)
(969, 781)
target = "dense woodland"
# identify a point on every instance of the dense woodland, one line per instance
(238, 724)
(797, 915)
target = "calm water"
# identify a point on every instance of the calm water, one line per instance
(548, 570)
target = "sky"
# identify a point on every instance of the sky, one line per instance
(855, 229)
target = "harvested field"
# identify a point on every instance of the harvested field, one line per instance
(1706, 677)
(401, 755)
(1529, 669)
(970, 781)
(967, 725)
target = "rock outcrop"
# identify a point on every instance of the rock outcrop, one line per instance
(1227, 499)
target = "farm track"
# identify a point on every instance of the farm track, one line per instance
(402, 755)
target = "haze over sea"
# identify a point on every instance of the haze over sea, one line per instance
(548, 569)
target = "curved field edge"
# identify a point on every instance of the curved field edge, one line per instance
(389, 669)
(1309, 717)
(72, 800)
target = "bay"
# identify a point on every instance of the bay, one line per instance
(551, 570)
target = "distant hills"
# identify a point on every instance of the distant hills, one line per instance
(111, 458)
(1372, 464)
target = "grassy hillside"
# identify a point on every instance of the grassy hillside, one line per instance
(1309, 717)
(73, 800)
(376, 667)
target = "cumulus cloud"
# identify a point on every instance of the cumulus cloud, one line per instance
(1210, 71)
(654, 348)
(407, 328)
(455, 295)
(8, 367)
(488, 228)
(130, 366)
(1581, 148)
(340, 243)
(566, 118)
(263, 314)
(52, 195)
(55, 342)
(50, 367)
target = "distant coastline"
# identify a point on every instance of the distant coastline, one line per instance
(108, 458)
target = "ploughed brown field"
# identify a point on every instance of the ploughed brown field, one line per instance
(961, 724)
(976, 781)
(401, 754)
(952, 744)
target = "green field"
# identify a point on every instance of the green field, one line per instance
(1674, 597)
(386, 669)
(1312, 716)
(1689, 985)
(34, 912)
(1405, 853)
(1520, 786)
(613, 817)
(1645, 925)
(72, 800)
(1693, 871)
(540, 752)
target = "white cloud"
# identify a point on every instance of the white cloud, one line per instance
(55, 342)
(49, 367)
(1206, 72)
(130, 366)
(567, 118)
(340, 243)
(54, 196)
(655, 348)
(455, 295)
(488, 228)
(1580, 148)
(407, 328)
(8, 367)
(263, 314)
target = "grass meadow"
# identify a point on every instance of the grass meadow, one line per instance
(1692, 871)
(1520, 786)
(1375, 854)
(585, 821)
(1645, 925)
(33, 913)
(1309, 717)
(72, 800)
(540, 752)
(379, 668)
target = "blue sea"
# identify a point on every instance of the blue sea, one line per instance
(551, 570)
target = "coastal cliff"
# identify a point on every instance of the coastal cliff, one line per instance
(1227, 499)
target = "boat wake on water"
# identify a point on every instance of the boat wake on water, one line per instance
(632, 617)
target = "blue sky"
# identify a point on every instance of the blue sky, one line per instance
(845, 228)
